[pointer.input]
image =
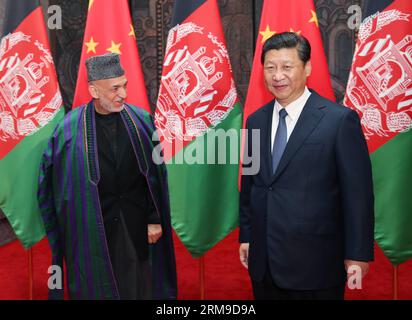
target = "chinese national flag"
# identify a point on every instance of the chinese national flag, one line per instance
(109, 29)
(279, 16)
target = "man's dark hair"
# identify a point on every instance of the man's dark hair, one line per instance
(287, 40)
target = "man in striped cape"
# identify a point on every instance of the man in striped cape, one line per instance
(104, 199)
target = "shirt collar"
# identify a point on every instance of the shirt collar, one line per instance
(295, 108)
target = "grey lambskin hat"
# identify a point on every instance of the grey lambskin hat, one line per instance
(105, 66)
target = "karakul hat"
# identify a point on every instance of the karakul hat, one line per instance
(105, 66)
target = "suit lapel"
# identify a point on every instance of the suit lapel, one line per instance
(307, 122)
(265, 124)
(267, 140)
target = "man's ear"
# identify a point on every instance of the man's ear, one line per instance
(93, 90)
(308, 68)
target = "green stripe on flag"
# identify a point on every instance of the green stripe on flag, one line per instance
(19, 172)
(392, 175)
(204, 198)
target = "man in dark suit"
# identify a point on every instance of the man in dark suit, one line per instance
(307, 217)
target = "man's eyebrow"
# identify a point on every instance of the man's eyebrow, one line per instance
(119, 85)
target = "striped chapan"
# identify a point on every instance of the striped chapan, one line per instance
(69, 202)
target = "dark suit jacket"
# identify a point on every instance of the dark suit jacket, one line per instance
(317, 209)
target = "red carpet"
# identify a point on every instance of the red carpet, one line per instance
(225, 278)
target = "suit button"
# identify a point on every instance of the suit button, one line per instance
(115, 219)
(270, 189)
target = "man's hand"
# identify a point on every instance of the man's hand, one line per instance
(364, 266)
(244, 254)
(154, 232)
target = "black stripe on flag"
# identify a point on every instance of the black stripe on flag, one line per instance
(16, 11)
(374, 6)
(183, 9)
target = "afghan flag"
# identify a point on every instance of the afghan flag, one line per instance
(279, 16)
(380, 90)
(198, 117)
(30, 108)
(109, 29)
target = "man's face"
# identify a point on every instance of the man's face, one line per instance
(285, 74)
(109, 94)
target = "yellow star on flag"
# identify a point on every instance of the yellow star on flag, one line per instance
(90, 4)
(115, 48)
(91, 45)
(131, 33)
(267, 33)
(314, 18)
(297, 32)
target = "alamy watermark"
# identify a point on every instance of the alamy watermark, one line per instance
(55, 281)
(54, 20)
(354, 277)
(355, 19)
(218, 146)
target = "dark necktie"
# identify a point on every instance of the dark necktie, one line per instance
(281, 139)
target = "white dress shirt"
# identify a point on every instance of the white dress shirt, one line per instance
(293, 109)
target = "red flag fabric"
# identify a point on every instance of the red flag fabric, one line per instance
(109, 28)
(194, 95)
(380, 86)
(279, 16)
(29, 91)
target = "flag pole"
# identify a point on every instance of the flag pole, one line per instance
(395, 282)
(202, 277)
(30, 258)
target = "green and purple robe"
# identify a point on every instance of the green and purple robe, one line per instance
(71, 211)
